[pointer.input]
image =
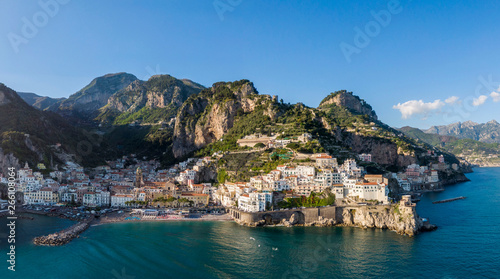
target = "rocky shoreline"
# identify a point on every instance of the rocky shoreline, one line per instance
(411, 228)
(399, 217)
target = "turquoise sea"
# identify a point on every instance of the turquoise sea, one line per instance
(466, 245)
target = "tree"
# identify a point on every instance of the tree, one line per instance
(293, 145)
(222, 176)
(259, 145)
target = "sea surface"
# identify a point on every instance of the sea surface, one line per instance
(466, 245)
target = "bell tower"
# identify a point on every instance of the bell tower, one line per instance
(138, 178)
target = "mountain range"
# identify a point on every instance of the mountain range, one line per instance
(28, 134)
(486, 132)
(476, 143)
(168, 119)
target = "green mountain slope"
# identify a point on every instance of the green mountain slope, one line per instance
(476, 152)
(35, 136)
(148, 101)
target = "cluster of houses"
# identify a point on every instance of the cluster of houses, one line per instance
(345, 181)
(416, 177)
(115, 184)
(128, 181)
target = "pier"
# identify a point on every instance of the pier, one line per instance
(449, 200)
(64, 236)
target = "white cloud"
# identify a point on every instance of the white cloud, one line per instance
(412, 107)
(495, 96)
(452, 100)
(479, 100)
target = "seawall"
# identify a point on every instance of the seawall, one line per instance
(401, 217)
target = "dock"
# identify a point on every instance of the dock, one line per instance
(450, 200)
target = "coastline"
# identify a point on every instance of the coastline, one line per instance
(351, 219)
(121, 219)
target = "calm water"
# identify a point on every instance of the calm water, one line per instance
(466, 245)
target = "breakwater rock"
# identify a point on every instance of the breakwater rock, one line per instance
(400, 217)
(64, 236)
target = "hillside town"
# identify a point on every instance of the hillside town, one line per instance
(130, 182)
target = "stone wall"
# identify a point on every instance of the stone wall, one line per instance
(399, 217)
(303, 216)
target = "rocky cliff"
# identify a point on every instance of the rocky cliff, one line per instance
(206, 117)
(395, 218)
(162, 92)
(384, 152)
(8, 161)
(353, 103)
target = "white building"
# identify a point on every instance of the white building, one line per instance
(70, 196)
(434, 177)
(306, 189)
(44, 196)
(255, 202)
(365, 157)
(120, 200)
(326, 161)
(370, 191)
(327, 177)
(404, 184)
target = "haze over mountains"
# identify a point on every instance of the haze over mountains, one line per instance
(486, 132)
(477, 143)
(39, 102)
(166, 118)
(95, 95)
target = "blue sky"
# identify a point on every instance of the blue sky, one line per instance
(431, 63)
